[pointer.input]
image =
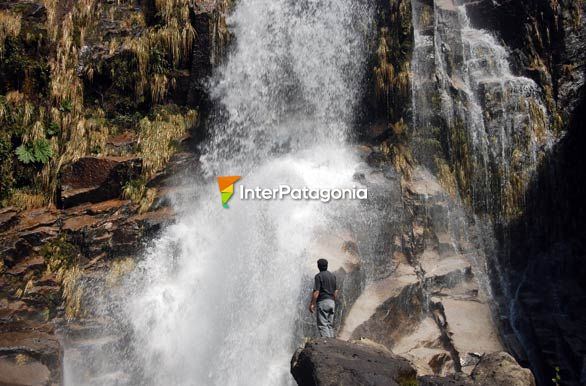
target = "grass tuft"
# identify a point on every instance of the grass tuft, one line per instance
(118, 270)
(72, 292)
(27, 199)
(10, 24)
(157, 136)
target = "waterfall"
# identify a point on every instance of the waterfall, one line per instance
(493, 125)
(219, 297)
(495, 122)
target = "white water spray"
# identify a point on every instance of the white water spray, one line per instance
(216, 299)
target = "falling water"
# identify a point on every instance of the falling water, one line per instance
(215, 300)
(463, 85)
(463, 81)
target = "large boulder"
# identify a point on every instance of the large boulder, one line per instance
(332, 362)
(95, 179)
(501, 369)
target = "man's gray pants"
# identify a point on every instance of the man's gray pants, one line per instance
(325, 317)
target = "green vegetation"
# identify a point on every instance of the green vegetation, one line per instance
(61, 259)
(54, 108)
(38, 151)
(66, 106)
(158, 133)
(59, 254)
(557, 380)
(140, 194)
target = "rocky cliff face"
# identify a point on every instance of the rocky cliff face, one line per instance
(542, 249)
(523, 195)
(100, 103)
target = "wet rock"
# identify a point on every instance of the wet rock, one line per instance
(181, 167)
(121, 144)
(126, 238)
(108, 207)
(332, 362)
(29, 264)
(94, 179)
(75, 224)
(37, 217)
(39, 236)
(431, 308)
(359, 321)
(15, 310)
(22, 369)
(8, 217)
(29, 357)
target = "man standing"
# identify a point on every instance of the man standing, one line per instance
(324, 296)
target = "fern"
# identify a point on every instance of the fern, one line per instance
(39, 151)
(25, 154)
(42, 151)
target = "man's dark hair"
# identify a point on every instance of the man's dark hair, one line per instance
(322, 264)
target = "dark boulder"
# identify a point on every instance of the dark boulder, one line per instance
(95, 179)
(332, 362)
(432, 380)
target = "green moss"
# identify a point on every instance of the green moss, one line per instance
(23, 70)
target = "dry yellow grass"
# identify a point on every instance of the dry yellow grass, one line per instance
(118, 270)
(446, 177)
(10, 24)
(159, 84)
(17, 109)
(51, 10)
(72, 292)
(170, 9)
(85, 136)
(14, 97)
(27, 199)
(137, 192)
(175, 38)
(384, 72)
(157, 135)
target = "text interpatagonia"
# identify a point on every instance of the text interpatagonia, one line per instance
(285, 191)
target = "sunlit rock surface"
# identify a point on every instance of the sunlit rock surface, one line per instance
(432, 308)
